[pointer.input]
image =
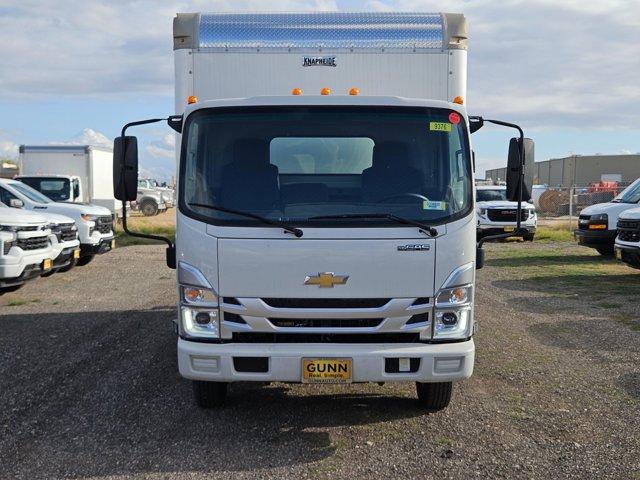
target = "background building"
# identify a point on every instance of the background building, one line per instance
(580, 170)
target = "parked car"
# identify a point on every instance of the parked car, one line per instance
(627, 245)
(95, 223)
(597, 224)
(495, 214)
(25, 247)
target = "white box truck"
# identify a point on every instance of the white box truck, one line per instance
(70, 173)
(326, 227)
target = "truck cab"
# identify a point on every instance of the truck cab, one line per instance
(25, 247)
(496, 214)
(325, 224)
(94, 223)
(59, 188)
(598, 224)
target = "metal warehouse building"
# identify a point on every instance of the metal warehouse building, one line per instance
(580, 170)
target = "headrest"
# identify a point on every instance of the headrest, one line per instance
(251, 151)
(386, 154)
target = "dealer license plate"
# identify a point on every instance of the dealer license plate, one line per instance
(509, 229)
(327, 370)
(47, 263)
(618, 254)
(113, 244)
(76, 254)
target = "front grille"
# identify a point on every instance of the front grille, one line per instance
(260, 337)
(326, 322)
(326, 302)
(629, 230)
(506, 215)
(104, 224)
(34, 243)
(629, 224)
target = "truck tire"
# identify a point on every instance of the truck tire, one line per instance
(149, 208)
(606, 251)
(434, 396)
(528, 237)
(209, 394)
(82, 261)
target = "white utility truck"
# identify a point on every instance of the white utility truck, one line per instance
(326, 227)
(627, 245)
(598, 224)
(70, 173)
(496, 214)
(25, 247)
(94, 223)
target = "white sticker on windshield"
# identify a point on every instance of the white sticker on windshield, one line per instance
(433, 205)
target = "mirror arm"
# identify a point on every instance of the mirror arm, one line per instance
(517, 231)
(171, 248)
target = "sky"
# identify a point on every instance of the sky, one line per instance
(568, 71)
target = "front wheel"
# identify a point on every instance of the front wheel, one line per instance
(434, 396)
(149, 208)
(209, 394)
(528, 237)
(607, 251)
(82, 261)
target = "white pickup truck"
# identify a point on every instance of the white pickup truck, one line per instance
(627, 245)
(326, 225)
(496, 214)
(94, 223)
(25, 247)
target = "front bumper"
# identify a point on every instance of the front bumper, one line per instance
(103, 246)
(443, 362)
(29, 272)
(629, 254)
(595, 238)
(66, 257)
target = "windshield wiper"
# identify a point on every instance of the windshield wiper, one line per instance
(267, 221)
(389, 216)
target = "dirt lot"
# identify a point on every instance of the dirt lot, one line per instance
(89, 385)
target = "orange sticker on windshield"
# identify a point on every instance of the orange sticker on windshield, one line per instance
(439, 126)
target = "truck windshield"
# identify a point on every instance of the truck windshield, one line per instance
(489, 195)
(294, 163)
(31, 193)
(57, 189)
(631, 194)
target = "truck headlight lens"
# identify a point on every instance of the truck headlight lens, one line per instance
(200, 323)
(198, 296)
(8, 228)
(483, 212)
(454, 324)
(454, 296)
(88, 218)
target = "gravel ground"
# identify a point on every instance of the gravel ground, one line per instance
(92, 389)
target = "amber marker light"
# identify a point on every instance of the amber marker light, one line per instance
(354, 91)
(325, 91)
(192, 99)
(459, 100)
(296, 91)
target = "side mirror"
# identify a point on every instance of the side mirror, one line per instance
(125, 168)
(16, 203)
(513, 169)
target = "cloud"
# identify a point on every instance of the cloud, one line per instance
(8, 149)
(88, 136)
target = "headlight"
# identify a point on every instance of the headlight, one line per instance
(200, 323)
(452, 313)
(483, 212)
(599, 222)
(198, 296)
(454, 297)
(8, 228)
(453, 324)
(88, 218)
(54, 227)
(8, 243)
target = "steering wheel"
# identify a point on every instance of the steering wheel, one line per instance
(401, 195)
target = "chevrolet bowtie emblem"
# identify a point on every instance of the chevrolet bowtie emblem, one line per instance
(326, 279)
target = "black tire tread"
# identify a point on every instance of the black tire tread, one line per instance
(209, 394)
(434, 396)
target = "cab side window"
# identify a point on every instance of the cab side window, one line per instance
(6, 196)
